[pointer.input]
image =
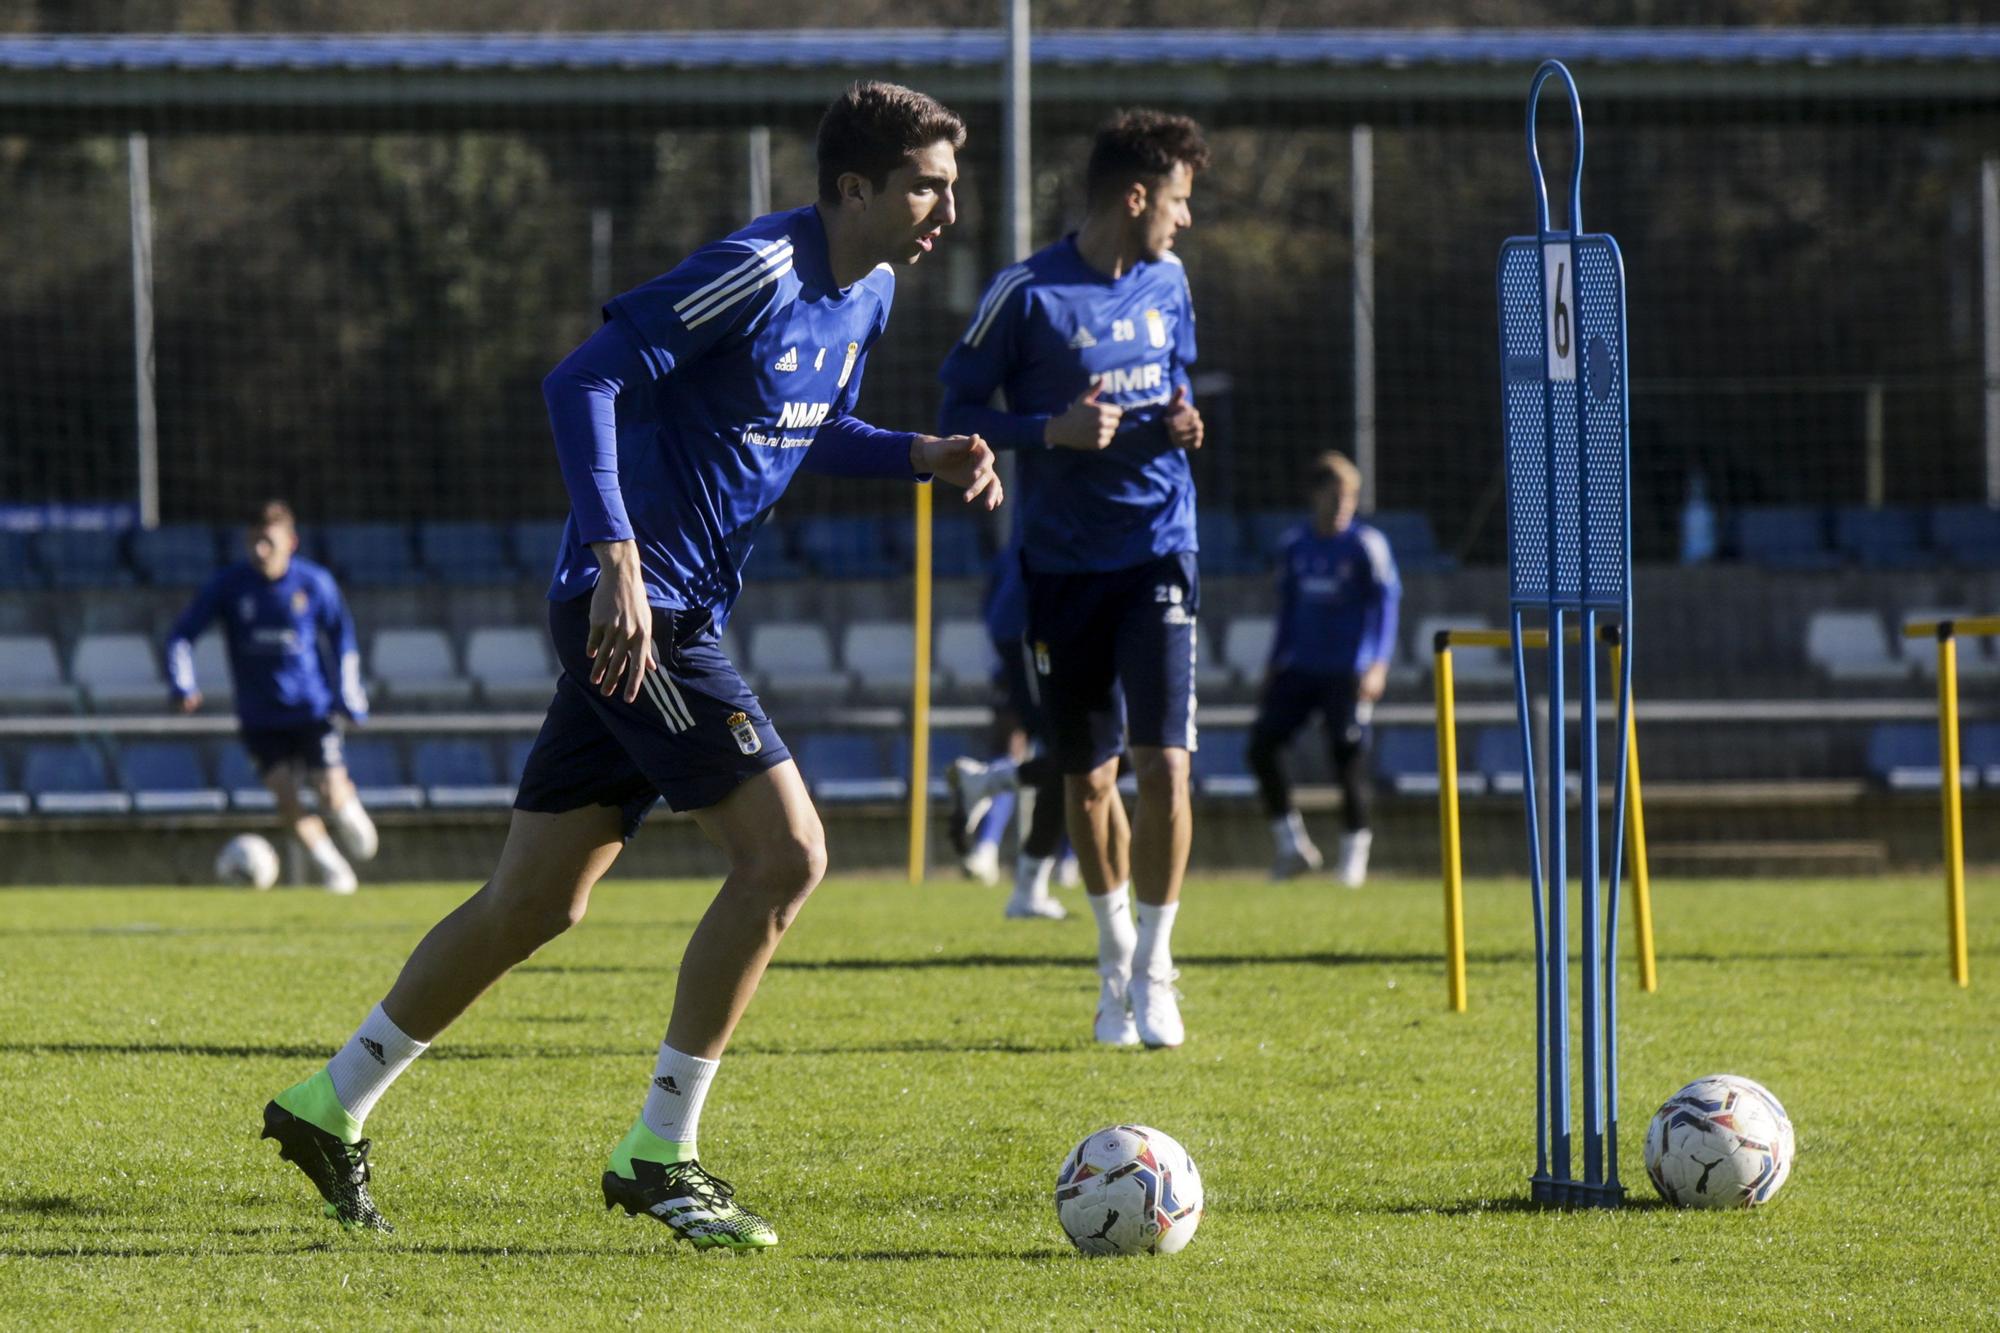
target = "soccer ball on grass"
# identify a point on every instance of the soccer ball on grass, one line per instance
(1129, 1190)
(1720, 1142)
(247, 859)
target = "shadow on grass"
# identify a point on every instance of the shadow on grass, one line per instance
(247, 1051)
(1634, 1203)
(48, 1205)
(1077, 961)
(189, 1251)
(922, 1256)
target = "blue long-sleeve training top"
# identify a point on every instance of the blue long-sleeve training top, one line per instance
(273, 629)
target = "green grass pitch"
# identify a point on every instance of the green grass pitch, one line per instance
(902, 1090)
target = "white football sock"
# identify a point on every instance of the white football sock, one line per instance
(1115, 936)
(355, 830)
(1288, 831)
(673, 1102)
(1031, 878)
(1152, 954)
(333, 867)
(363, 1069)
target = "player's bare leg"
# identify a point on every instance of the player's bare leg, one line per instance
(348, 820)
(283, 782)
(1161, 835)
(1102, 838)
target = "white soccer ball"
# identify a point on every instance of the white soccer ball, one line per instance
(1129, 1190)
(247, 859)
(1720, 1142)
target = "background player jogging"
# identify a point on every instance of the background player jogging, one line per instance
(678, 425)
(276, 610)
(1338, 596)
(1086, 345)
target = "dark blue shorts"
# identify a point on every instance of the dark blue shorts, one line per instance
(1018, 687)
(694, 734)
(313, 744)
(1114, 656)
(1292, 697)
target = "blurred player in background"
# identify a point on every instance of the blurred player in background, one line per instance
(678, 425)
(275, 607)
(1337, 603)
(1078, 358)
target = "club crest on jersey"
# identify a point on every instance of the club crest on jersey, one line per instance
(789, 361)
(747, 739)
(847, 367)
(299, 602)
(1156, 328)
(819, 360)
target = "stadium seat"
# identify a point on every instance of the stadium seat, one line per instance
(963, 659)
(881, 657)
(1885, 538)
(118, 671)
(514, 758)
(458, 774)
(238, 776)
(18, 567)
(1979, 750)
(1968, 535)
(1904, 756)
(71, 778)
(946, 746)
(1853, 646)
(416, 667)
(1412, 541)
(169, 777)
(83, 558)
(533, 544)
(772, 559)
(840, 547)
(376, 766)
(1246, 646)
(1788, 537)
(1270, 531)
(1223, 549)
(1218, 765)
(464, 553)
(1976, 656)
(956, 549)
(1212, 672)
(13, 801)
(511, 666)
(1406, 759)
(1469, 666)
(31, 678)
(795, 658)
(211, 670)
(369, 554)
(175, 555)
(1496, 755)
(847, 766)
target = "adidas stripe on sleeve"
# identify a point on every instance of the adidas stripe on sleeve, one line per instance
(681, 314)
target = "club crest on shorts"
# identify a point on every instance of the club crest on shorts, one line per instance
(747, 739)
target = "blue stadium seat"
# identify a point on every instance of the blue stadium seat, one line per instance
(459, 774)
(848, 547)
(75, 558)
(1219, 765)
(1496, 755)
(771, 556)
(847, 766)
(71, 778)
(1904, 756)
(945, 747)
(13, 801)
(1968, 535)
(1223, 550)
(369, 554)
(177, 554)
(1789, 537)
(169, 777)
(514, 757)
(533, 544)
(1269, 531)
(18, 567)
(238, 777)
(464, 553)
(956, 549)
(1889, 538)
(376, 766)
(1412, 541)
(1406, 759)
(1979, 749)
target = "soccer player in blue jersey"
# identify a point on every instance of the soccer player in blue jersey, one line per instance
(1338, 596)
(1077, 358)
(275, 609)
(678, 425)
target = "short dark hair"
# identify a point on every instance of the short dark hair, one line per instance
(872, 128)
(268, 512)
(1142, 146)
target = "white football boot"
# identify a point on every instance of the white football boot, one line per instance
(1156, 1012)
(1114, 1025)
(354, 831)
(982, 862)
(1353, 864)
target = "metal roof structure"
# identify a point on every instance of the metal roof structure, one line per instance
(193, 80)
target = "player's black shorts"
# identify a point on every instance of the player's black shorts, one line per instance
(313, 744)
(1292, 697)
(1123, 631)
(694, 734)
(1017, 683)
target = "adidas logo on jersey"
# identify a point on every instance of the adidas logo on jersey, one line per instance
(1082, 340)
(803, 416)
(789, 361)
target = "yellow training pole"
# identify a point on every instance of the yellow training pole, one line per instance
(920, 693)
(1954, 809)
(1447, 766)
(1635, 838)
